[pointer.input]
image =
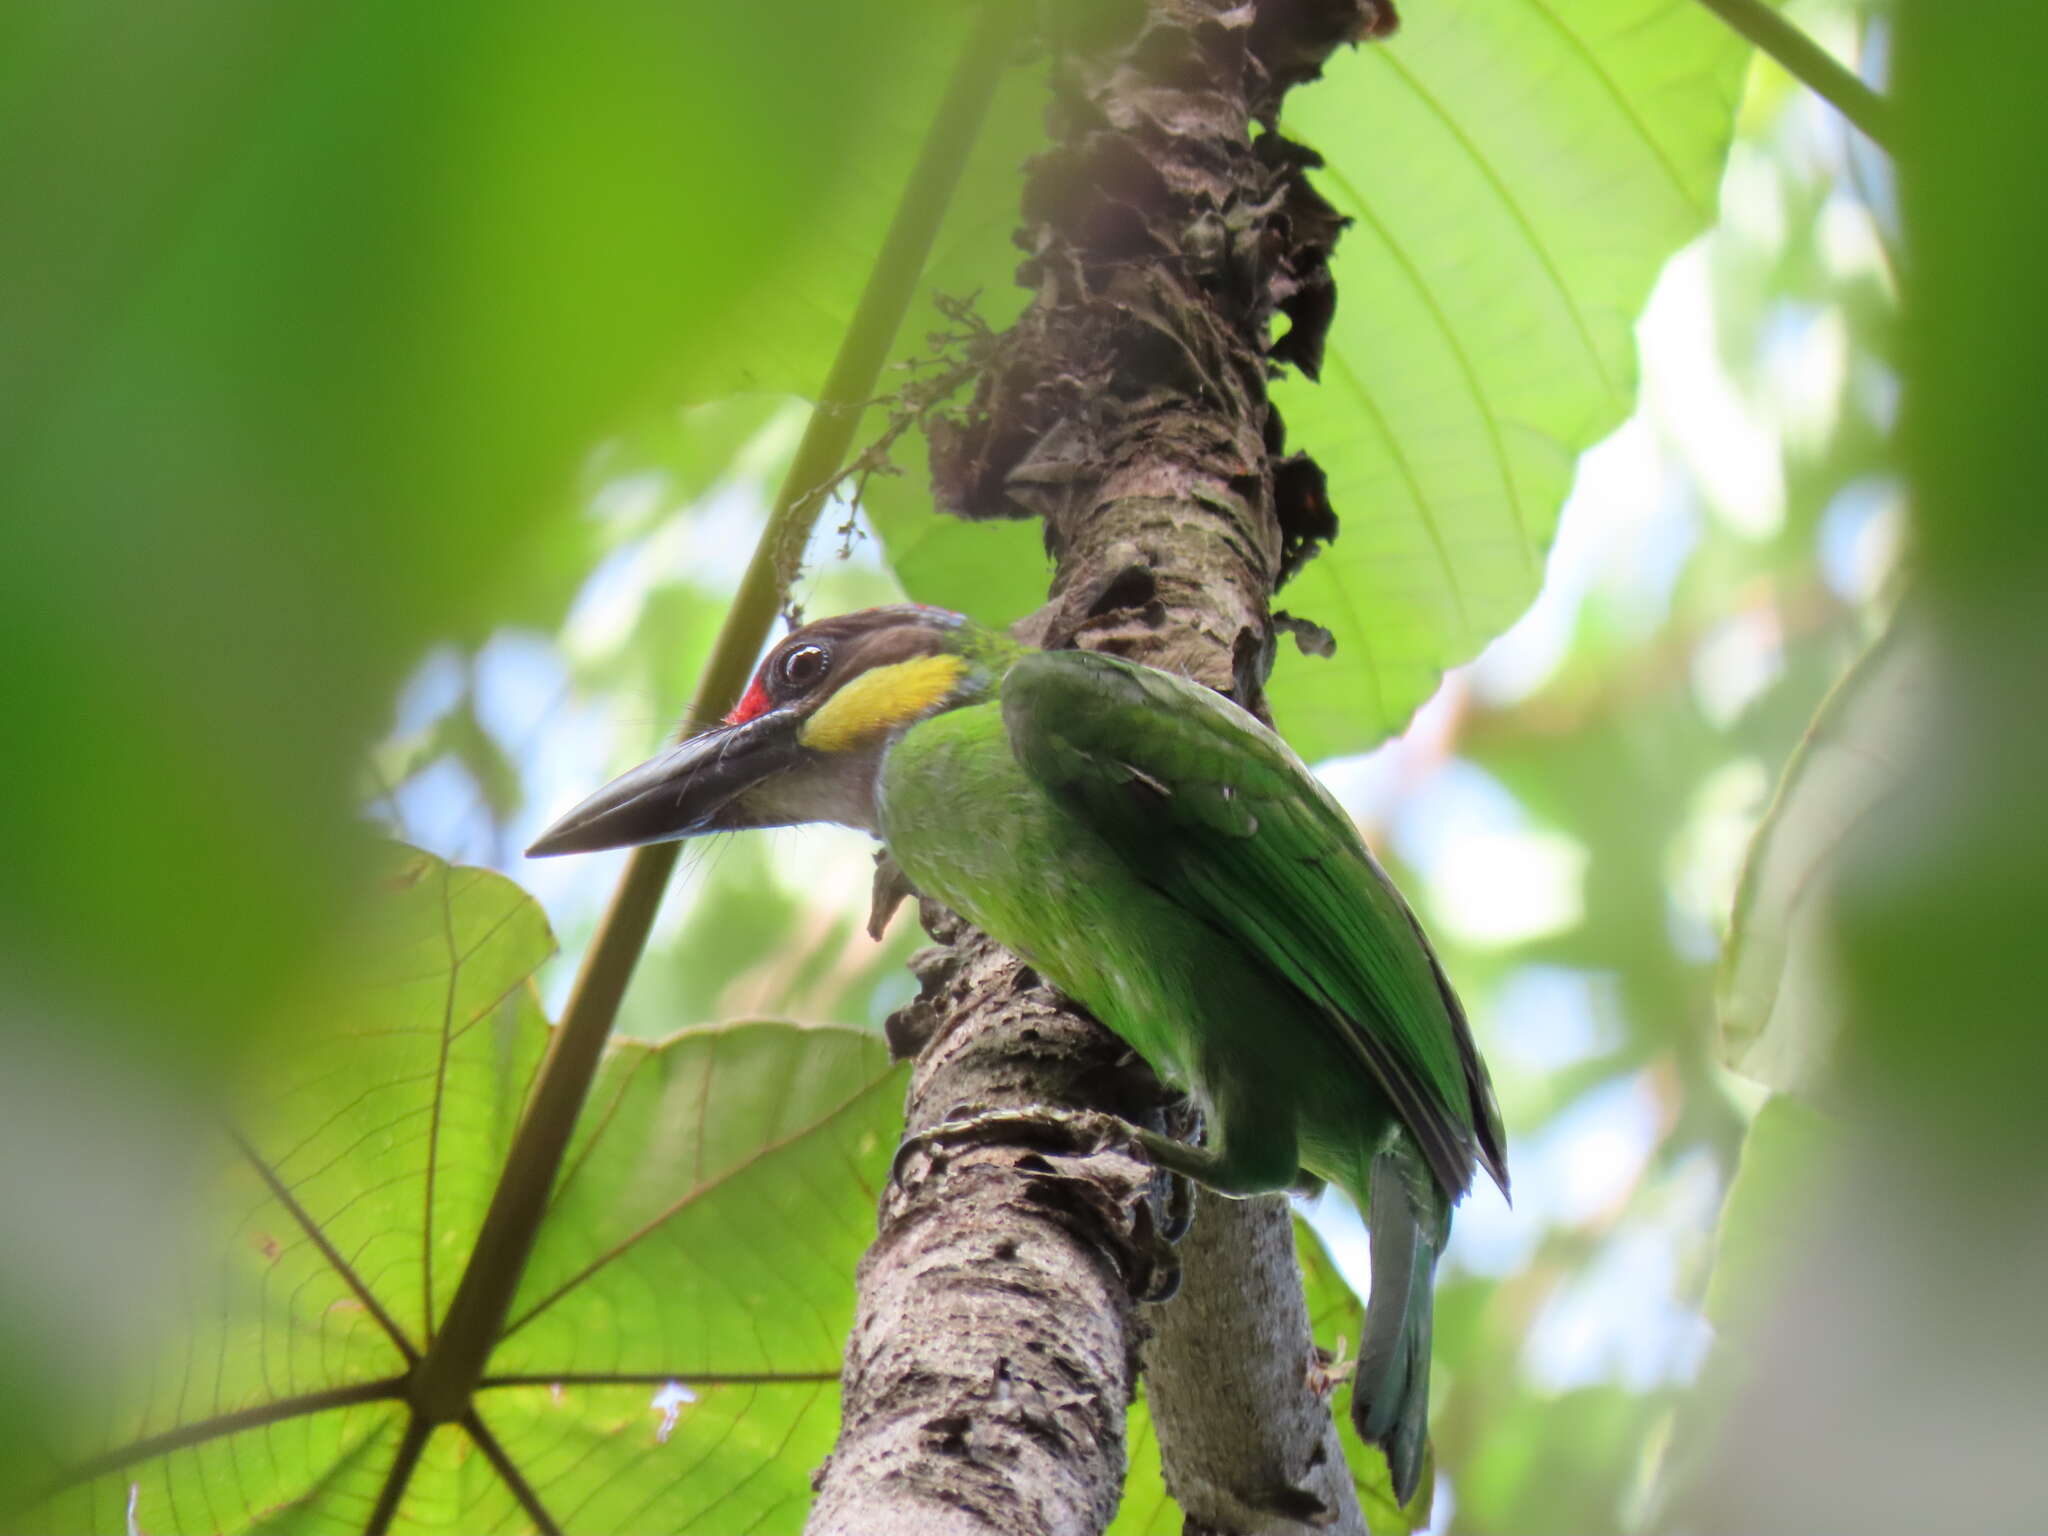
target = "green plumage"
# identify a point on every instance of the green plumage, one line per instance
(1168, 862)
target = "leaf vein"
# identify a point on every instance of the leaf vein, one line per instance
(1466, 369)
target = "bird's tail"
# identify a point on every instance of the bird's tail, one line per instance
(1390, 1389)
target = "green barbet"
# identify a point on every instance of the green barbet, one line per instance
(1169, 863)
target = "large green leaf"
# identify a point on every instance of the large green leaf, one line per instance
(1517, 171)
(720, 1179)
(996, 571)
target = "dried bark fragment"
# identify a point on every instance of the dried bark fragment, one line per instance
(1165, 233)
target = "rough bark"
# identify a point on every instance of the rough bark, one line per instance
(1246, 1444)
(989, 1369)
(1000, 1318)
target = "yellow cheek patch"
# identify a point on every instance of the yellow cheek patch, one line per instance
(879, 701)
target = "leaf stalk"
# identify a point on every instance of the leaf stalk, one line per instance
(1810, 64)
(454, 1364)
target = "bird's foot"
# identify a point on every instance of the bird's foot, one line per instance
(1301, 1506)
(1072, 1131)
(1328, 1371)
(891, 889)
(1176, 1205)
(1174, 1192)
(1151, 1268)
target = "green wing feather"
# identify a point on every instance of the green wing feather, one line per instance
(1214, 810)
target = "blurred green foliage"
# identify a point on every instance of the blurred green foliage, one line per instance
(313, 314)
(348, 346)
(1909, 1328)
(1635, 723)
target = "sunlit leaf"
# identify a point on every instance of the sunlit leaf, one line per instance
(996, 571)
(785, 346)
(1147, 1508)
(713, 1207)
(1518, 172)
(607, 1459)
(672, 1358)
(786, 342)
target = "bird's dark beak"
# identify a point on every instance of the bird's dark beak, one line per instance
(678, 793)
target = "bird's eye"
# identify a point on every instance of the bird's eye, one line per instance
(804, 666)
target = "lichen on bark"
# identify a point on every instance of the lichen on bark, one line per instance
(1167, 230)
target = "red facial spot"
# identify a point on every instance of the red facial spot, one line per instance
(755, 702)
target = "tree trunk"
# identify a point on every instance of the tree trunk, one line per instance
(1001, 1316)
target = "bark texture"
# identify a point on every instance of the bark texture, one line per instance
(990, 1366)
(1247, 1445)
(1001, 1312)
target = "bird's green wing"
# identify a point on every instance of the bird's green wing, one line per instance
(1217, 812)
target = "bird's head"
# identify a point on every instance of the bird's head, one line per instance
(805, 742)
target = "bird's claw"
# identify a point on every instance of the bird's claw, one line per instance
(891, 889)
(1065, 1130)
(1155, 1276)
(1327, 1371)
(1177, 1207)
(1176, 1199)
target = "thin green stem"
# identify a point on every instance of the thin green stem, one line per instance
(1810, 64)
(454, 1363)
